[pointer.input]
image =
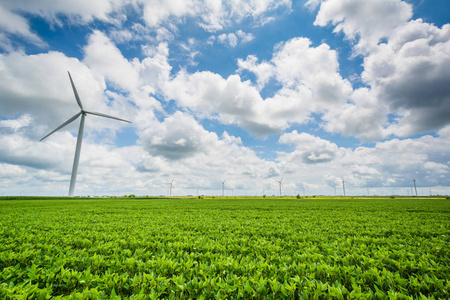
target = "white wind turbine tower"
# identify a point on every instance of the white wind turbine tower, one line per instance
(170, 187)
(343, 185)
(279, 182)
(223, 187)
(414, 180)
(83, 114)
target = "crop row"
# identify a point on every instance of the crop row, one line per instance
(225, 248)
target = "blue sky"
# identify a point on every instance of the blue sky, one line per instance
(247, 91)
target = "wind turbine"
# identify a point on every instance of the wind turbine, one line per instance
(343, 185)
(170, 187)
(83, 114)
(415, 188)
(279, 182)
(223, 187)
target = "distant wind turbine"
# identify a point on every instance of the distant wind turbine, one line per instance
(170, 187)
(415, 188)
(280, 184)
(223, 187)
(343, 185)
(83, 114)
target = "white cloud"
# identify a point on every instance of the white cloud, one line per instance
(82, 11)
(38, 85)
(232, 101)
(436, 168)
(411, 74)
(17, 124)
(12, 23)
(393, 163)
(138, 77)
(361, 20)
(180, 145)
(316, 68)
(297, 65)
(179, 136)
(156, 12)
(103, 57)
(245, 37)
(406, 65)
(228, 39)
(364, 117)
(210, 15)
(233, 39)
(8, 172)
(263, 71)
(310, 79)
(36, 97)
(309, 149)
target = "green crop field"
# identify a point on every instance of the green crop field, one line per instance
(236, 248)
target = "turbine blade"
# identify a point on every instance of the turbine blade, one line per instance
(62, 125)
(75, 92)
(106, 116)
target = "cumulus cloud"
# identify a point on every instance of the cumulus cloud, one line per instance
(208, 94)
(263, 71)
(32, 84)
(8, 172)
(393, 163)
(217, 15)
(310, 149)
(233, 39)
(156, 15)
(180, 145)
(179, 136)
(317, 68)
(411, 74)
(45, 167)
(228, 39)
(82, 11)
(309, 78)
(298, 65)
(406, 67)
(36, 97)
(360, 20)
(16, 124)
(11, 23)
(103, 57)
(135, 79)
(363, 117)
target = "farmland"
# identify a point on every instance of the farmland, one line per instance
(225, 248)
